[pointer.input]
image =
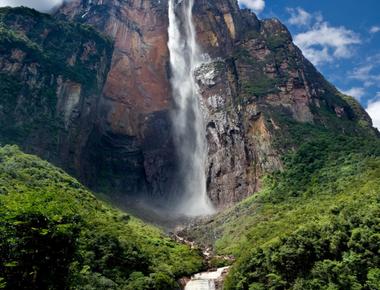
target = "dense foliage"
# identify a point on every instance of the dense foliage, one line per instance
(338, 251)
(51, 44)
(56, 235)
(314, 225)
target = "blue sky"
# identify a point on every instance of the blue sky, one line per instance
(341, 37)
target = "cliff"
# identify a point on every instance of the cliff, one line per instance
(51, 77)
(132, 145)
(117, 136)
(257, 83)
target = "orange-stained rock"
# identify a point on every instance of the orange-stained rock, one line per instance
(138, 78)
(133, 122)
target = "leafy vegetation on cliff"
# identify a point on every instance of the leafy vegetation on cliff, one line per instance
(58, 47)
(38, 56)
(56, 235)
(313, 226)
(272, 74)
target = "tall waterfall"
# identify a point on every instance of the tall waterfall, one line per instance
(189, 129)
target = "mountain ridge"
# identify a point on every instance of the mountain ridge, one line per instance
(257, 80)
(236, 37)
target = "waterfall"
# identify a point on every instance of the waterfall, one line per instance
(187, 118)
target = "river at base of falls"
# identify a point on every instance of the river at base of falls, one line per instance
(206, 280)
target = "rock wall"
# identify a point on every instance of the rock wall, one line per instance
(132, 145)
(111, 111)
(51, 78)
(257, 79)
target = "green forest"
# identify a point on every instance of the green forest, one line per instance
(314, 225)
(56, 235)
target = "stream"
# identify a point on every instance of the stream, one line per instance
(207, 280)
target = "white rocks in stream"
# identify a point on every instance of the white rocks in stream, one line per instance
(207, 280)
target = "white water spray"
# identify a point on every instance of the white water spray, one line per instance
(189, 129)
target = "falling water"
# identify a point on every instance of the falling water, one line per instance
(189, 131)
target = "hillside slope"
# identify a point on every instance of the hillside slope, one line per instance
(313, 226)
(56, 235)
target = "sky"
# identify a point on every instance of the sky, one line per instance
(340, 37)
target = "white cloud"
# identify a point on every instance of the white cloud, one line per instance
(374, 29)
(255, 5)
(321, 42)
(355, 92)
(299, 16)
(317, 56)
(41, 5)
(366, 75)
(324, 43)
(373, 59)
(373, 110)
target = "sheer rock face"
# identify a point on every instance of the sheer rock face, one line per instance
(132, 141)
(138, 79)
(221, 25)
(256, 79)
(256, 75)
(133, 114)
(51, 78)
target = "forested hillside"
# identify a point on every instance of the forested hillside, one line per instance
(313, 226)
(56, 235)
